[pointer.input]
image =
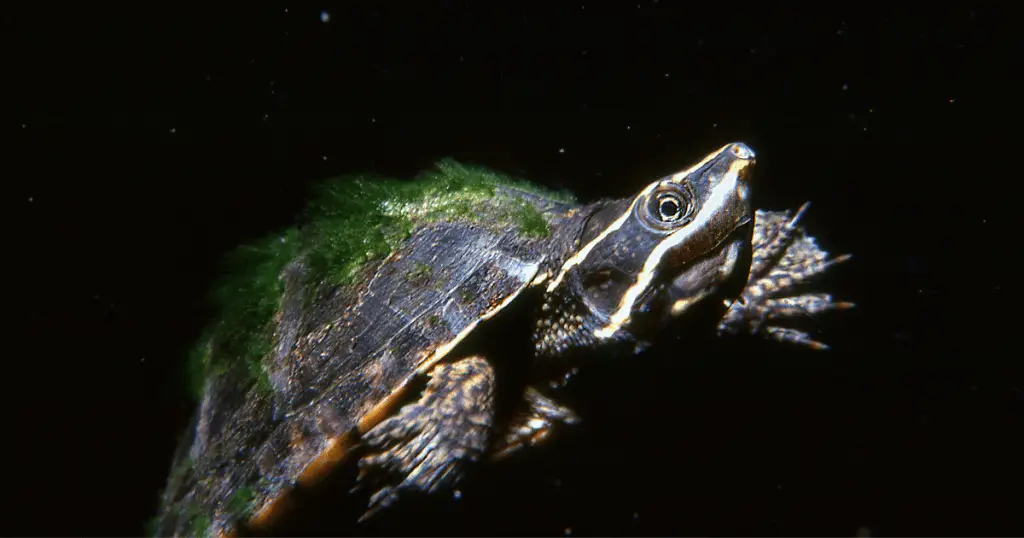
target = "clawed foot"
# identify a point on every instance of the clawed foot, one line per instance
(424, 446)
(783, 258)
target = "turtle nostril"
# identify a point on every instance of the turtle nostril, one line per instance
(742, 151)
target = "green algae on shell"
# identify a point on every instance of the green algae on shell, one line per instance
(355, 219)
(351, 221)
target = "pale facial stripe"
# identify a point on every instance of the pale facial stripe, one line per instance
(718, 199)
(577, 258)
(679, 177)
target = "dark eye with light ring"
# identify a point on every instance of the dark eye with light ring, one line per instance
(671, 207)
(668, 207)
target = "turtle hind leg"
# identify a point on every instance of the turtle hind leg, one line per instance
(534, 425)
(426, 445)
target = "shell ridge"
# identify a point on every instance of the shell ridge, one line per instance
(419, 316)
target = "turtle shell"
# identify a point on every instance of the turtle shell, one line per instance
(336, 319)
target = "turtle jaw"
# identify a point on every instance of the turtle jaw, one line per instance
(719, 273)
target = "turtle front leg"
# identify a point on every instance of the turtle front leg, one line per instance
(784, 257)
(426, 445)
(534, 425)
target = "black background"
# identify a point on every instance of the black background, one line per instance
(142, 141)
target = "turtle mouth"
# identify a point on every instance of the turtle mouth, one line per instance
(720, 271)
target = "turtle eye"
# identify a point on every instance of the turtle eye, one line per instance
(670, 207)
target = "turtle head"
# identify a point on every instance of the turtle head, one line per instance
(678, 240)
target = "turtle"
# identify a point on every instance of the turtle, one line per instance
(414, 328)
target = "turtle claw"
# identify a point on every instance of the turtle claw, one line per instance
(383, 498)
(793, 336)
(534, 426)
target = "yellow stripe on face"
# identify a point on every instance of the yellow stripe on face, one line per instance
(577, 258)
(679, 177)
(721, 196)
